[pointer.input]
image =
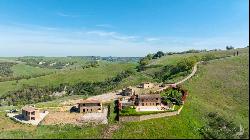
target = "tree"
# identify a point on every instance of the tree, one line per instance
(187, 64)
(158, 55)
(144, 61)
(229, 47)
(220, 128)
(208, 57)
(149, 56)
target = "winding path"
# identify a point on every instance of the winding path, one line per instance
(185, 79)
(111, 95)
(107, 97)
(190, 75)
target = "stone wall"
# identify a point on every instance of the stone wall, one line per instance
(147, 117)
(129, 118)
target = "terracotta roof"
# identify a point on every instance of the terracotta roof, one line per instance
(28, 108)
(89, 101)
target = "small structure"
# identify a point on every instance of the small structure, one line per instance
(148, 100)
(30, 113)
(40, 63)
(126, 101)
(90, 105)
(146, 85)
(52, 64)
(127, 92)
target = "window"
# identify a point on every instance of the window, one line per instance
(32, 118)
(33, 113)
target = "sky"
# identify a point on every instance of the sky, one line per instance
(120, 27)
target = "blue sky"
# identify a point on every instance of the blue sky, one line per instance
(120, 27)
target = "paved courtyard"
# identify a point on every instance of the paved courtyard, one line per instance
(95, 117)
(19, 118)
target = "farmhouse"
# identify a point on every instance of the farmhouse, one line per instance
(146, 85)
(30, 113)
(148, 100)
(127, 92)
(90, 105)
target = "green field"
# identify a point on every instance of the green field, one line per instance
(219, 86)
(100, 73)
(26, 70)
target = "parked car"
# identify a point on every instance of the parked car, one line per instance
(13, 111)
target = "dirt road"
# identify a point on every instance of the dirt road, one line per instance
(107, 97)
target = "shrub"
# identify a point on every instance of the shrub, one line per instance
(220, 128)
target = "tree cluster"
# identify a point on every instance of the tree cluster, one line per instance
(91, 64)
(159, 54)
(145, 60)
(182, 68)
(44, 63)
(220, 128)
(34, 94)
(5, 69)
(229, 47)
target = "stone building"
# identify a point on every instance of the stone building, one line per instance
(30, 113)
(127, 92)
(148, 100)
(90, 105)
(146, 85)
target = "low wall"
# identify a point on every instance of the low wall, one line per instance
(147, 117)
(129, 118)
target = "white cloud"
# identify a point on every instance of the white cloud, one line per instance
(105, 25)
(152, 39)
(67, 15)
(113, 35)
(101, 33)
(18, 41)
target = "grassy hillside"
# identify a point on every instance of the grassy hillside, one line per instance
(69, 76)
(26, 70)
(218, 86)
